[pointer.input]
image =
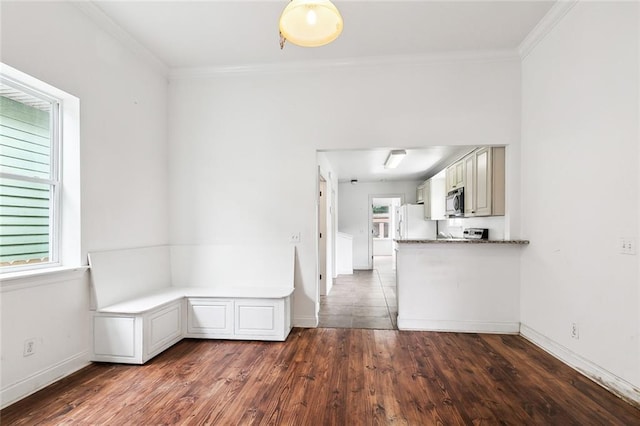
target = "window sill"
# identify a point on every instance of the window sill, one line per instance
(23, 279)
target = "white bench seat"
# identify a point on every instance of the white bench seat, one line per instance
(162, 297)
(146, 303)
(137, 312)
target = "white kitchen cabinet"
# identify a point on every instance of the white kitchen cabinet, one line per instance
(420, 194)
(484, 192)
(426, 198)
(455, 175)
(438, 201)
(434, 195)
(470, 184)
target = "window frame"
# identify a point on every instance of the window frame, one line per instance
(64, 178)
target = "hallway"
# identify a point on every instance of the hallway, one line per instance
(366, 299)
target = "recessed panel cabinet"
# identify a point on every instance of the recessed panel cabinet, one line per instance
(470, 184)
(420, 194)
(426, 198)
(484, 192)
(455, 176)
(434, 196)
(208, 316)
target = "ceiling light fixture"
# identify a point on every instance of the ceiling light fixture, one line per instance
(310, 23)
(394, 158)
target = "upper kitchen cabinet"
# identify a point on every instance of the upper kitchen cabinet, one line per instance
(455, 176)
(434, 198)
(420, 194)
(426, 197)
(484, 182)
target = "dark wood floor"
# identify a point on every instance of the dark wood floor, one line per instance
(332, 377)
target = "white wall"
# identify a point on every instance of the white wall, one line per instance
(353, 217)
(124, 177)
(580, 190)
(239, 141)
(456, 226)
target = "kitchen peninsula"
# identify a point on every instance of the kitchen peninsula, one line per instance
(459, 285)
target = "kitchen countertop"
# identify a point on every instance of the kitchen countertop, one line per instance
(461, 241)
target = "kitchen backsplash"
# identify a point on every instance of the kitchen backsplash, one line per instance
(455, 227)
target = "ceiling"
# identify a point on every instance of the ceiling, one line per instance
(226, 34)
(368, 165)
(188, 34)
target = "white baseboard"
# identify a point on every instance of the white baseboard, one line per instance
(459, 326)
(604, 378)
(42, 379)
(362, 268)
(305, 322)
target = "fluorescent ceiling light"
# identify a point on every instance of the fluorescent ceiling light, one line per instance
(394, 158)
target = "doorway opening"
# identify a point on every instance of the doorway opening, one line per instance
(367, 298)
(384, 222)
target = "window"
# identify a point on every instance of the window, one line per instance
(29, 179)
(31, 176)
(380, 221)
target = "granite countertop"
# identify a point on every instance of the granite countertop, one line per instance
(461, 241)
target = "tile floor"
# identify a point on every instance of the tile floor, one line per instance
(366, 299)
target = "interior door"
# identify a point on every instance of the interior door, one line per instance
(322, 238)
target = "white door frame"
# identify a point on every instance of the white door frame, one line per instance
(322, 235)
(370, 210)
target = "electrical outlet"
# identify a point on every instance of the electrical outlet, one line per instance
(627, 245)
(294, 237)
(29, 347)
(575, 331)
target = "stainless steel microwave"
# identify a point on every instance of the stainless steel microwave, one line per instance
(455, 203)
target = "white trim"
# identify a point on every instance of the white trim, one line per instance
(373, 61)
(544, 27)
(370, 252)
(362, 268)
(64, 226)
(13, 281)
(459, 326)
(42, 379)
(104, 22)
(604, 378)
(305, 322)
(55, 199)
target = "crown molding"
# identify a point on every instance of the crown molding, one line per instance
(93, 12)
(557, 12)
(323, 65)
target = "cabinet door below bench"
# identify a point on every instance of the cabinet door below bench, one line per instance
(260, 319)
(208, 317)
(163, 328)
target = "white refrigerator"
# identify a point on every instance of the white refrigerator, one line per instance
(410, 223)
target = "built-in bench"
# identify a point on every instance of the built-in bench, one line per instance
(144, 300)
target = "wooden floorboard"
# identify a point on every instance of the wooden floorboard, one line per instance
(332, 377)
